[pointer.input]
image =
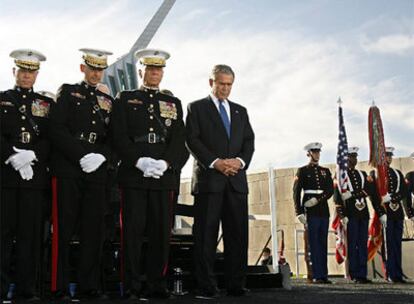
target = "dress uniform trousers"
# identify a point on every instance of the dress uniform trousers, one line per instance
(80, 208)
(22, 214)
(146, 212)
(318, 242)
(394, 232)
(357, 233)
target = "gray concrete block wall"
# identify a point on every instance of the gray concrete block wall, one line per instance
(259, 230)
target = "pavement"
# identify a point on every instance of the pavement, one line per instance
(341, 291)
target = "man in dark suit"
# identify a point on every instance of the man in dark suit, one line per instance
(220, 138)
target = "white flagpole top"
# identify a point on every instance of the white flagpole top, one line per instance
(339, 101)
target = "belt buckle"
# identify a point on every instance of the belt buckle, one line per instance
(152, 138)
(92, 137)
(25, 137)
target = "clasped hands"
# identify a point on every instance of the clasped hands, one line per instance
(22, 161)
(228, 167)
(154, 168)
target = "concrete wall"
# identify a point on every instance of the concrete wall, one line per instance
(259, 230)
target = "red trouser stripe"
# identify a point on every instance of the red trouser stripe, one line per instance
(170, 203)
(55, 236)
(121, 228)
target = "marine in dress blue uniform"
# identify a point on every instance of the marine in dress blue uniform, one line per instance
(80, 139)
(312, 208)
(148, 136)
(352, 207)
(394, 202)
(24, 177)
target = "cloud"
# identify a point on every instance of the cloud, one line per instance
(288, 80)
(397, 44)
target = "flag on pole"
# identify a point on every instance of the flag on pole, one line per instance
(377, 161)
(342, 184)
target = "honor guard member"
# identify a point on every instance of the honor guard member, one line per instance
(394, 224)
(148, 132)
(24, 177)
(409, 180)
(352, 208)
(312, 208)
(79, 134)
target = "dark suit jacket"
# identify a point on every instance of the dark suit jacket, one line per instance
(207, 140)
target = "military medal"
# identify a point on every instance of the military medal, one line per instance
(168, 122)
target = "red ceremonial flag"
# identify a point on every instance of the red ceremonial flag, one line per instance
(376, 160)
(375, 237)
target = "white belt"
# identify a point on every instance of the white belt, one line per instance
(313, 191)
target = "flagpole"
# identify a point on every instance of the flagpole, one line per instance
(346, 264)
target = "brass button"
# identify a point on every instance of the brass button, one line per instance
(151, 117)
(24, 96)
(151, 105)
(93, 122)
(78, 103)
(93, 111)
(151, 95)
(151, 129)
(23, 129)
(5, 111)
(23, 117)
(91, 93)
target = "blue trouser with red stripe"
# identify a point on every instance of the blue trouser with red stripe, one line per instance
(318, 241)
(394, 232)
(357, 231)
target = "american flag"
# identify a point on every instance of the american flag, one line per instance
(342, 184)
(342, 153)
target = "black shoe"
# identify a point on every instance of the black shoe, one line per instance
(94, 294)
(161, 293)
(396, 280)
(32, 299)
(326, 281)
(207, 294)
(239, 292)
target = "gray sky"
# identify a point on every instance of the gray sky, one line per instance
(292, 59)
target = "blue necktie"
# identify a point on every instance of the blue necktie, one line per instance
(224, 117)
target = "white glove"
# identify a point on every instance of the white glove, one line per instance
(386, 198)
(346, 195)
(144, 163)
(21, 158)
(344, 221)
(302, 218)
(26, 172)
(152, 171)
(161, 165)
(311, 202)
(383, 220)
(91, 162)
